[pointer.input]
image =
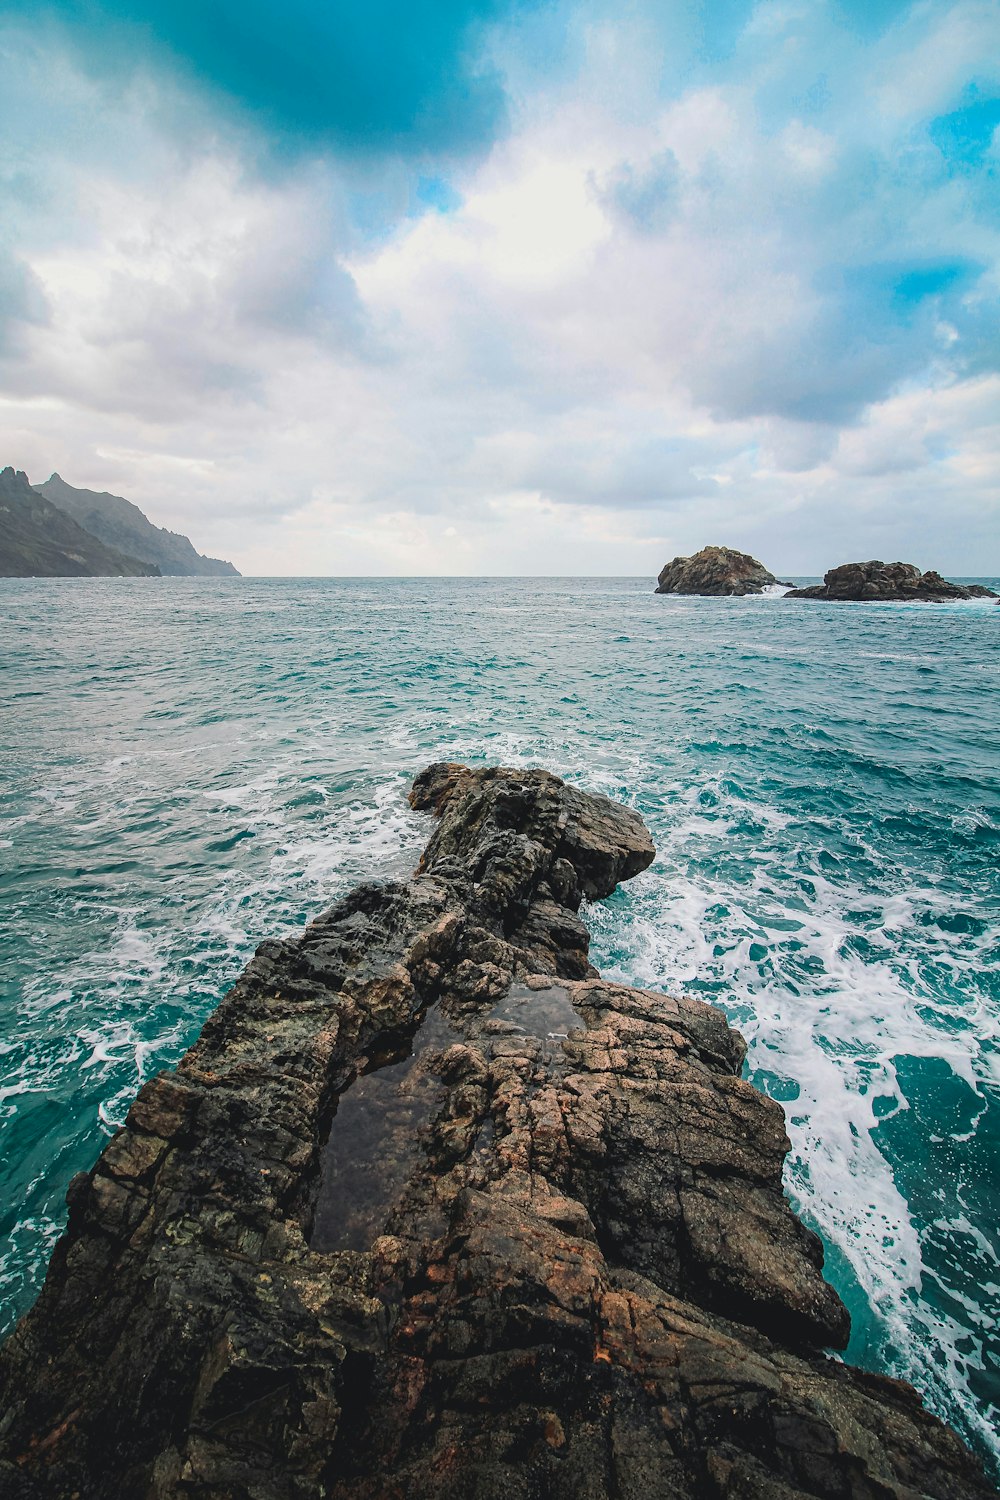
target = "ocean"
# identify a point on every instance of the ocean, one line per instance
(193, 765)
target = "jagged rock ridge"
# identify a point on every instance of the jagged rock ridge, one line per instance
(118, 523)
(38, 540)
(565, 1269)
(892, 582)
(715, 571)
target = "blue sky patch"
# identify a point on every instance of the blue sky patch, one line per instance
(966, 134)
(438, 194)
(929, 281)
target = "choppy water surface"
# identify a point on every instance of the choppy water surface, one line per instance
(191, 765)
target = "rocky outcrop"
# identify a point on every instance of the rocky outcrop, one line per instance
(892, 582)
(430, 1210)
(38, 540)
(715, 571)
(118, 523)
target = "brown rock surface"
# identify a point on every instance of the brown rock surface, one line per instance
(542, 1250)
(715, 571)
(891, 582)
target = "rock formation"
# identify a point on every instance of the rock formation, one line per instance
(715, 571)
(893, 582)
(118, 523)
(430, 1211)
(38, 540)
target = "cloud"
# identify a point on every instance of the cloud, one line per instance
(22, 302)
(709, 278)
(362, 78)
(644, 197)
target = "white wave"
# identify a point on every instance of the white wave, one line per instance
(825, 1025)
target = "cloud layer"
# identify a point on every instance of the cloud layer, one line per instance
(545, 290)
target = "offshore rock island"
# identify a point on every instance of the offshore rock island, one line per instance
(723, 572)
(715, 571)
(432, 1210)
(892, 582)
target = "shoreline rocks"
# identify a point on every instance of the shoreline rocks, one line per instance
(892, 582)
(431, 1210)
(715, 571)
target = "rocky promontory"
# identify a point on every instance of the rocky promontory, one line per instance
(431, 1211)
(715, 571)
(896, 582)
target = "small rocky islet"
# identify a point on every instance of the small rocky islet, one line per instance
(716, 571)
(554, 1262)
(896, 583)
(722, 571)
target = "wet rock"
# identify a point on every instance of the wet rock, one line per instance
(433, 1210)
(715, 571)
(891, 582)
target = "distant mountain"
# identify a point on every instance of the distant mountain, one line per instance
(119, 523)
(38, 540)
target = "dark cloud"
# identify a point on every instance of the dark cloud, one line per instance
(872, 327)
(385, 75)
(22, 301)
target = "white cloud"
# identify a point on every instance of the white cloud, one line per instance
(811, 151)
(638, 332)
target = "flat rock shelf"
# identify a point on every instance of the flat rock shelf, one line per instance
(432, 1210)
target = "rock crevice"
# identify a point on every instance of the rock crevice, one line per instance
(430, 1209)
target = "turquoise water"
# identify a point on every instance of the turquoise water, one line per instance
(195, 764)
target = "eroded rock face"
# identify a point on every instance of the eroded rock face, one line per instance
(893, 582)
(432, 1212)
(715, 571)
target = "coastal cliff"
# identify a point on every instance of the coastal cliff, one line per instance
(118, 523)
(38, 540)
(432, 1210)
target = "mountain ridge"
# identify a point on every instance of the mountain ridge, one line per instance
(39, 540)
(120, 524)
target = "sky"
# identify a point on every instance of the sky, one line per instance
(510, 286)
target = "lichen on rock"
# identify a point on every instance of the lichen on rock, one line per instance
(554, 1258)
